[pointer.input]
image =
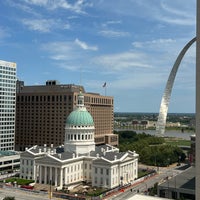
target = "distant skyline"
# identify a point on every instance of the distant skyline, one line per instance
(131, 45)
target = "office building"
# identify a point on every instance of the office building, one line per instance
(7, 104)
(79, 159)
(10, 162)
(42, 111)
(181, 186)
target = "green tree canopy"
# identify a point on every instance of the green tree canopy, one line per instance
(9, 198)
(152, 150)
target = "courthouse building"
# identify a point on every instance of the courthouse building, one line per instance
(79, 159)
(41, 112)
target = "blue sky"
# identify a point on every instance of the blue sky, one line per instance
(129, 44)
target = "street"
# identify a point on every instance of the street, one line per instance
(148, 183)
(141, 187)
(23, 195)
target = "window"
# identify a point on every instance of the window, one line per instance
(107, 181)
(101, 180)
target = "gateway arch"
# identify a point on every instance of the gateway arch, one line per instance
(161, 122)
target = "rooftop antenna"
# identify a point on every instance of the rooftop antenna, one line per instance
(80, 79)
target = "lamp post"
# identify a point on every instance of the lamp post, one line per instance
(50, 193)
(179, 160)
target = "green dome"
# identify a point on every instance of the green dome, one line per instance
(80, 118)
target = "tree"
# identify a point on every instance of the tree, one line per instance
(9, 198)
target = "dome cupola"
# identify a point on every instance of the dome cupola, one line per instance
(79, 129)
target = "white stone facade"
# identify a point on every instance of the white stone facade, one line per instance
(107, 168)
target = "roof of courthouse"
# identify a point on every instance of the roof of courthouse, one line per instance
(105, 151)
(80, 117)
(184, 180)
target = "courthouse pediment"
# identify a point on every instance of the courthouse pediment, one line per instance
(48, 160)
(28, 154)
(101, 162)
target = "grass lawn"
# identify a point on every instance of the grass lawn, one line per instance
(177, 142)
(19, 181)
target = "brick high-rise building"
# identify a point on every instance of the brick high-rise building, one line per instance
(42, 110)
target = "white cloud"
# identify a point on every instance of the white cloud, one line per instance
(159, 44)
(23, 7)
(41, 25)
(37, 2)
(85, 46)
(76, 7)
(113, 34)
(177, 16)
(45, 25)
(4, 32)
(122, 61)
(108, 23)
(61, 50)
(162, 10)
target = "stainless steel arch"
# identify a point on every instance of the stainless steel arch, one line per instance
(160, 126)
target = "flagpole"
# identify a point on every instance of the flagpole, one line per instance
(104, 86)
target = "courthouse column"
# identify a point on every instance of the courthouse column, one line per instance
(56, 177)
(50, 176)
(40, 172)
(45, 175)
(35, 172)
(61, 177)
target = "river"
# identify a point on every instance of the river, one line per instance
(172, 133)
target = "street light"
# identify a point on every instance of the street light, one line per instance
(50, 193)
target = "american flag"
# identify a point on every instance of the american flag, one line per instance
(104, 85)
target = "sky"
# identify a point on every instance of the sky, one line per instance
(129, 44)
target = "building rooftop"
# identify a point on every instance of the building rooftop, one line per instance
(145, 197)
(107, 152)
(80, 118)
(8, 153)
(184, 180)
